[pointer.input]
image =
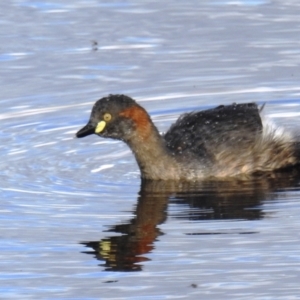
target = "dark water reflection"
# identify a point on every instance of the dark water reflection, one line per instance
(235, 199)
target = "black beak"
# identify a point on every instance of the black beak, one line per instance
(86, 130)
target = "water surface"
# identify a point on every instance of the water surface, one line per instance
(76, 221)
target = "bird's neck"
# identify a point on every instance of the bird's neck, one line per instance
(154, 159)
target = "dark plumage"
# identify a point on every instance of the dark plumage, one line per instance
(223, 141)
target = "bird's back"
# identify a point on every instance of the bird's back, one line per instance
(206, 133)
(228, 140)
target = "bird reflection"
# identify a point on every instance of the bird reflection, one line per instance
(125, 252)
(235, 199)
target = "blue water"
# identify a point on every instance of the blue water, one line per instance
(75, 221)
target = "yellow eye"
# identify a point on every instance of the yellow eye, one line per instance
(107, 117)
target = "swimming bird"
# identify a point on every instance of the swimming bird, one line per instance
(225, 141)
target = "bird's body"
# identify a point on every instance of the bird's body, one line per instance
(223, 141)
